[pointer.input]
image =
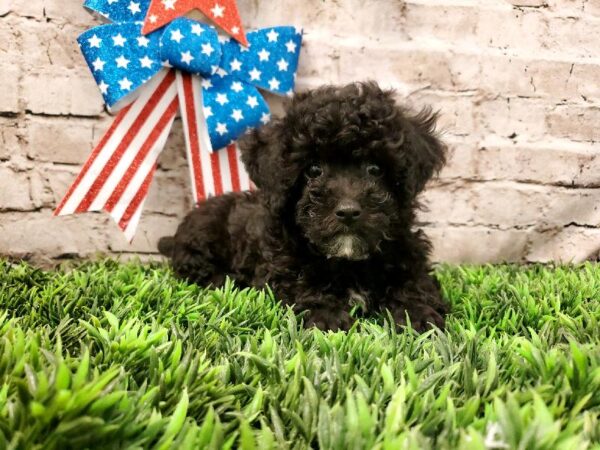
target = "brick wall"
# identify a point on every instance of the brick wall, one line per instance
(517, 83)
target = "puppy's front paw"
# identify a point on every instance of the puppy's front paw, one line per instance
(422, 317)
(326, 319)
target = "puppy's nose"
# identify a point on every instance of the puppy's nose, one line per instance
(348, 211)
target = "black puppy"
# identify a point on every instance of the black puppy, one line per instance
(331, 224)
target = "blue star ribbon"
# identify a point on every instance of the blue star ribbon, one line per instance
(122, 60)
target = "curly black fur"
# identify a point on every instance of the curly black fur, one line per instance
(331, 224)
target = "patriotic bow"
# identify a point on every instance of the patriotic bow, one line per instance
(185, 66)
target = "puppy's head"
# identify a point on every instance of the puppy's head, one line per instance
(344, 165)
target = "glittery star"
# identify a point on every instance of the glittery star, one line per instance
(103, 87)
(252, 102)
(125, 84)
(169, 4)
(207, 111)
(291, 46)
(176, 36)
(263, 55)
(206, 83)
(119, 41)
(143, 41)
(134, 8)
(207, 49)
(255, 74)
(236, 86)
(272, 36)
(197, 29)
(186, 57)
(282, 64)
(146, 62)
(237, 115)
(222, 99)
(98, 65)
(235, 65)
(95, 41)
(122, 62)
(217, 10)
(221, 128)
(265, 118)
(274, 84)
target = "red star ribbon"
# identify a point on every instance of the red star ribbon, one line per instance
(223, 12)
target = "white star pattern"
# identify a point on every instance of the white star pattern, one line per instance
(263, 55)
(221, 128)
(176, 36)
(119, 41)
(237, 115)
(186, 57)
(153, 18)
(197, 29)
(169, 4)
(235, 30)
(298, 30)
(274, 84)
(143, 41)
(207, 111)
(218, 10)
(272, 36)
(282, 64)
(103, 87)
(255, 74)
(122, 62)
(110, 2)
(207, 49)
(146, 62)
(252, 102)
(125, 84)
(134, 8)
(235, 65)
(236, 86)
(95, 41)
(265, 118)
(222, 99)
(290, 93)
(98, 65)
(291, 46)
(206, 83)
(221, 72)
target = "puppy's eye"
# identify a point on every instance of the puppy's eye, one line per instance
(314, 171)
(374, 170)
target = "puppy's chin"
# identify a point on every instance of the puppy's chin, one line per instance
(347, 246)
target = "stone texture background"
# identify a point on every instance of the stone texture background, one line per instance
(517, 84)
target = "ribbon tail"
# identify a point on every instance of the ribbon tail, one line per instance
(117, 175)
(212, 173)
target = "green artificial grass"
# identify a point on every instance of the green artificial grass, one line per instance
(125, 356)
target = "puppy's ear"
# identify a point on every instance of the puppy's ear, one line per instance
(427, 154)
(264, 155)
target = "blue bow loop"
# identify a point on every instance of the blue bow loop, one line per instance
(121, 58)
(191, 46)
(269, 62)
(119, 10)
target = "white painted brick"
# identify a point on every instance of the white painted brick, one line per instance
(60, 139)
(57, 91)
(41, 237)
(9, 138)
(14, 191)
(476, 245)
(26, 8)
(9, 94)
(570, 244)
(559, 162)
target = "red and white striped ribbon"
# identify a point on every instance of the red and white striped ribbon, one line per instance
(116, 177)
